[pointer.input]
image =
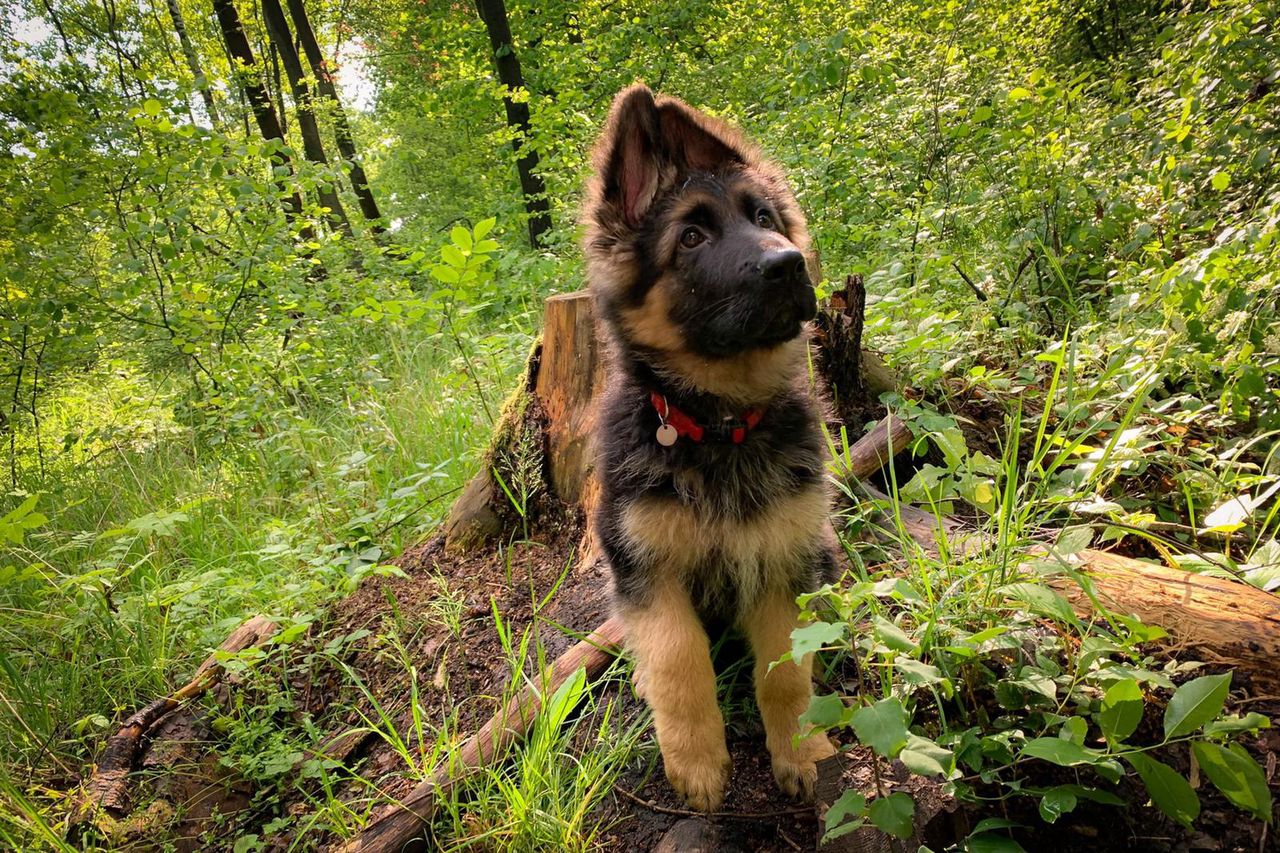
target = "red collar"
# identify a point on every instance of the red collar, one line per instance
(734, 431)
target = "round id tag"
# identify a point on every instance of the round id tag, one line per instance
(667, 435)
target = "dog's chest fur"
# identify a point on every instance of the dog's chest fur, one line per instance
(728, 521)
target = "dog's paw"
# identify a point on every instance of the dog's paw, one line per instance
(699, 778)
(795, 768)
(637, 683)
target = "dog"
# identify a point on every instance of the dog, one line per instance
(712, 505)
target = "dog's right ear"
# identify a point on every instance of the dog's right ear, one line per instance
(631, 151)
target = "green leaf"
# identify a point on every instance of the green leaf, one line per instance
(1057, 751)
(1041, 600)
(824, 711)
(152, 107)
(893, 636)
(845, 815)
(810, 638)
(893, 814)
(1055, 803)
(882, 726)
(461, 238)
(926, 758)
(1169, 791)
(990, 843)
(1250, 722)
(453, 256)
(484, 226)
(1121, 710)
(1019, 93)
(1196, 703)
(1220, 181)
(1234, 772)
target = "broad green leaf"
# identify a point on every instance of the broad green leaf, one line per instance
(1196, 703)
(824, 711)
(882, 726)
(1168, 790)
(1220, 181)
(1234, 772)
(1121, 710)
(893, 814)
(810, 638)
(926, 758)
(988, 842)
(1042, 600)
(1055, 750)
(1056, 802)
(892, 636)
(484, 226)
(461, 238)
(845, 815)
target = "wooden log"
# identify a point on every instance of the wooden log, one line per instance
(510, 724)
(108, 785)
(1224, 621)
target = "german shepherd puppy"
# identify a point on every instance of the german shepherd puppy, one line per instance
(712, 509)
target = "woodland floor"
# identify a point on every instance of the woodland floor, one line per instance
(468, 673)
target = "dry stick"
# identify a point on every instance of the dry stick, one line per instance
(503, 729)
(1226, 621)
(867, 455)
(107, 787)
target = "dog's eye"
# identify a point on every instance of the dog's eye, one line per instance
(764, 220)
(691, 238)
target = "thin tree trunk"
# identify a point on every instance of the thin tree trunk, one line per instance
(264, 112)
(494, 15)
(341, 129)
(312, 145)
(193, 62)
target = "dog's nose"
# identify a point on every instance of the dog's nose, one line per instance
(782, 266)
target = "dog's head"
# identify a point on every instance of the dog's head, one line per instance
(696, 250)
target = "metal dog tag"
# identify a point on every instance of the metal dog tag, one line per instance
(667, 435)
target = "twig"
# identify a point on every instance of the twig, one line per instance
(651, 805)
(977, 291)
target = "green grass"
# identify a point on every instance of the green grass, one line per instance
(157, 544)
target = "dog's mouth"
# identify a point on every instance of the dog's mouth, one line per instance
(774, 322)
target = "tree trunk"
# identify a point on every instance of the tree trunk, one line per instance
(312, 145)
(341, 129)
(264, 112)
(193, 62)
(494, 15)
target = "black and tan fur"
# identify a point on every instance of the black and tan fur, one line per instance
(706, 533)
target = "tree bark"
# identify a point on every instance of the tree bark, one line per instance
(193, 62)
(312, 144)
(264, 112)
(494, 15)
(341, 129)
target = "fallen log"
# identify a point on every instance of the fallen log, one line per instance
(509, 725)
(107, 788)
(1225, 622)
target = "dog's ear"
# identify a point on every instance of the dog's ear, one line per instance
(647, 141)
(631, 152)
(694, 141)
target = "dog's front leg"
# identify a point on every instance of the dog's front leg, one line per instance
(783, 693)
(673, 656)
